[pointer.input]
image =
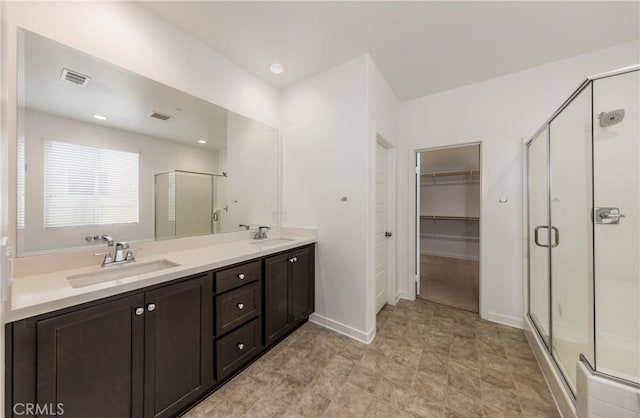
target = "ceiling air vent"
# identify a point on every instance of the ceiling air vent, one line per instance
(161, 116)
(75, 77)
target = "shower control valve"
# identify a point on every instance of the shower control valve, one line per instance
(609, 216)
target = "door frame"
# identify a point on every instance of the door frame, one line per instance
(414, 238)
(391, 223)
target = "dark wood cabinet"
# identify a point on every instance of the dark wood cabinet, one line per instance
(289, 291)
(276, 297)
(301, 284)
(178, 346)
(145, 355)
(91, 361)
(236, 307)
(238, 347)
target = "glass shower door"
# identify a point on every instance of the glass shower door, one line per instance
(617, 238)
(537, 154)
(572, 235)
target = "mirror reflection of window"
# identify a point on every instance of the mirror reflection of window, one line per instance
(89, 186)
(21, 168)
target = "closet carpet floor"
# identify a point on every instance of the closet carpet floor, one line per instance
(427, 360)
(450, 281)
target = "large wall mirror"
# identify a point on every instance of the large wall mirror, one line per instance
(104, 151)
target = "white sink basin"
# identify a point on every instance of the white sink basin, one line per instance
(273, 241)
(119, 272)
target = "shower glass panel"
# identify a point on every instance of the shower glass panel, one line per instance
(572, 238)
(537, 154)
(183, 204)
(584, 229)
(617, 244)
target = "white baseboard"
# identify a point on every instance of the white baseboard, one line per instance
(450, 255)
(363, 337)
(512, 321)
(403, 294)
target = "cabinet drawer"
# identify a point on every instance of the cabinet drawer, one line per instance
(237, 276)
(238, 306)
(237, 348)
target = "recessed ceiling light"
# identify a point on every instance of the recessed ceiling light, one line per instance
(202, 141)
(276, 68)
(100, 117)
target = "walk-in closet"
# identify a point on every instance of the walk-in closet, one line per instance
(449, 226)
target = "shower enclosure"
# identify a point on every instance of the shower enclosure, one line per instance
(583, 168)
(187, 203)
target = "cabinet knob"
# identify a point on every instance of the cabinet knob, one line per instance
(291, 260)
(151, 307)
(295, 258)
(240, 346)
(139, 311)
(240, 306)
(241, 276)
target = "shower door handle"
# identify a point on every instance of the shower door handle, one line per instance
(535, 236)
(556, 240)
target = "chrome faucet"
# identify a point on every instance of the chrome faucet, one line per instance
(119, 255)
(245, 226)
(107, 238)
(262, 232)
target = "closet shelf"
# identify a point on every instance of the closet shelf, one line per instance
(451, 173)
(450, 218)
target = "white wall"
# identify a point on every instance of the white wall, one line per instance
(156, 156)
(329, 132)
(500, 113)
(324, 139)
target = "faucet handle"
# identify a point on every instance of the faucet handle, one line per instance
(129, 256)
(108, 258)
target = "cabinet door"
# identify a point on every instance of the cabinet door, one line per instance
(301, 285)
(178, 345)
(91, 361)
(276, 297)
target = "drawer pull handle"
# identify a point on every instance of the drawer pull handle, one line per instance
(240, 346)
(241, 276)
(293, 260)
(240, 306)
(139, 311)
(151, 307)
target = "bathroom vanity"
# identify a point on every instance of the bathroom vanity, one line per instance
(157, 350)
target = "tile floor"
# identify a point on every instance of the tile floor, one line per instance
(427, 360)
(450, 281)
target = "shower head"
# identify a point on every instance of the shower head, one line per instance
(611, 118)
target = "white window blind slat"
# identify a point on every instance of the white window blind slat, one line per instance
(89, 186)
(20, 183)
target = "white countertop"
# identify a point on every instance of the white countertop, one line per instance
(41, 293)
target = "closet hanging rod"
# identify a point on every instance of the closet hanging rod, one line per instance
(450, 218)
(451, 173)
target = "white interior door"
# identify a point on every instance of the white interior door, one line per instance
(381, 226)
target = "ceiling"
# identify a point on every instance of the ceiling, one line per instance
(420, 47)
(125, 98)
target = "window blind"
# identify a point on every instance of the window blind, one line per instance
(20, 180)
(89, 186)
